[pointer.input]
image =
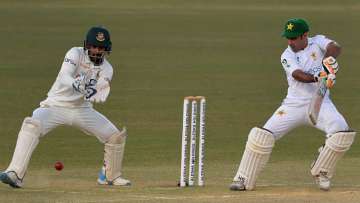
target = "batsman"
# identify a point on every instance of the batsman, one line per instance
(310, 66)
(84, 79)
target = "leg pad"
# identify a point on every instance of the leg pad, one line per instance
(256, 155)
(114, 152)
(335, 147)
(27, 141)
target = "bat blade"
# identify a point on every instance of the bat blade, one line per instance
(316, 102)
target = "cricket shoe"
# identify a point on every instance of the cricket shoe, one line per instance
(238, 185)
(119, 181)
(11, 178)
(323, 181)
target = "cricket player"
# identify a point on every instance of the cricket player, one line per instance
(84, 78)
(306, 62)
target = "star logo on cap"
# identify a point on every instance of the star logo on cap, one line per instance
(290, 26)
(100, 36)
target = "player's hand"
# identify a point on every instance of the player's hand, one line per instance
(320, 76)
(330, 80)
(79, 84)
(90, 88)
(103, 91)
(330, 65)
(85, 85)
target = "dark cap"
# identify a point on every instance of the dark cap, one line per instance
(295, 27)
(99, 36)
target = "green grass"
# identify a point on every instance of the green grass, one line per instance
(228, 51)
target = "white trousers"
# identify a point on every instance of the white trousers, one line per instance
(86, 119)
(287, 118)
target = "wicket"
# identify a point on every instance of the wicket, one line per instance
(184, 141)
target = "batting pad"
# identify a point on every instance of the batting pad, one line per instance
(256, 155)
(27, 141)
(335, 147)
(114, 152)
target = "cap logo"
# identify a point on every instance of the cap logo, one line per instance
(290, 26)
(100, 36)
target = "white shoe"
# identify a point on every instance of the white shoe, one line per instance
(238, 185)
(11, 178)
(119, 181)
(323, 181)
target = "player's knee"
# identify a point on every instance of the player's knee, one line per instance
(260, 140)
(118, 137)
(341, 141)
(31, 126)
(337, 126)
(274, 130)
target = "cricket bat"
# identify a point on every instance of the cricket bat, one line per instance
(316, 101)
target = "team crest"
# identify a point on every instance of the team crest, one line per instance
(100, 36)
(313, 56)
(285, 63)
(290, 26)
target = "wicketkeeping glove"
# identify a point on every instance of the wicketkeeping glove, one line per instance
(79, 84)
(90, 88)
(85, 86)
(103, 91)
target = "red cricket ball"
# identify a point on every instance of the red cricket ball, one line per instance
(58, 165)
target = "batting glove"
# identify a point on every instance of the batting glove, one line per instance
(321, 75)
(330, 65)
(330, 80)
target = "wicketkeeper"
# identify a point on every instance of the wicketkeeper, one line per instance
(307, 61)
(84, 78)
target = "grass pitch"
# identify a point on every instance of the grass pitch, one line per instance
(228, 51)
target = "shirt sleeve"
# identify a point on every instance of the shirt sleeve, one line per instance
(67, 72)
(289, 63)
(322, 42)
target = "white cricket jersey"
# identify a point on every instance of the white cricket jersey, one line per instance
(76, 62)
(308, 60)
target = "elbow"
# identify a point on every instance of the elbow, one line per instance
(334, 50)
(338, 49)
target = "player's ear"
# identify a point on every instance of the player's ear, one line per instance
(305, 35)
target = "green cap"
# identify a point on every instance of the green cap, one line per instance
(295, 27)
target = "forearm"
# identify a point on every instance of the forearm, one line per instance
(301, 76)
(65, 79)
